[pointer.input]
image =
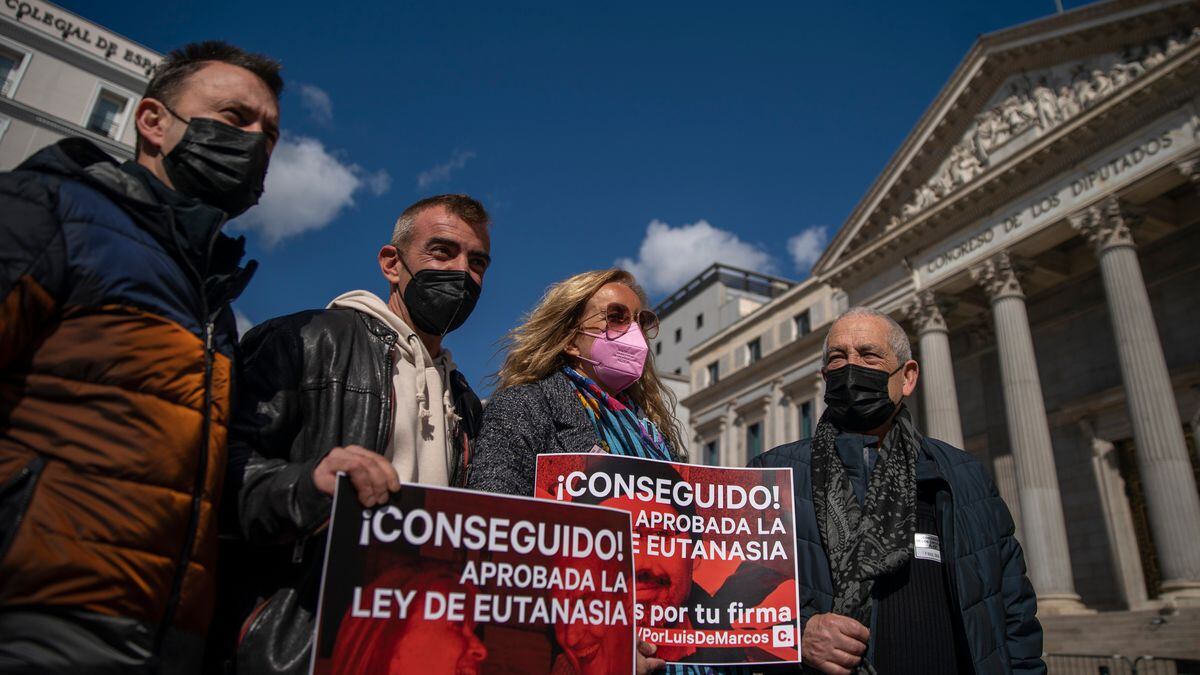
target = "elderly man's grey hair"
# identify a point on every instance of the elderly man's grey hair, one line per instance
(897, 338)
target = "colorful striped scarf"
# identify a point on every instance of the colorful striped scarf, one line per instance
(624, 430)
(620, 424)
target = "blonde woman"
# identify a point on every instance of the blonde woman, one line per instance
(578, 377)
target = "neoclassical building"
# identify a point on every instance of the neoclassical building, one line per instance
(1039, 233)
(62, 75)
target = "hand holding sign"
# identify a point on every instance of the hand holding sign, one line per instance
(834, 644)
(374, 477)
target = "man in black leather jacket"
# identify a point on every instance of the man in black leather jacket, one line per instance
(362, 387)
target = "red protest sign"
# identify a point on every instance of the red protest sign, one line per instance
(446, 581)
(714, 552)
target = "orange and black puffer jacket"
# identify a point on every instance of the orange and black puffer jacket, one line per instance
(116, 351)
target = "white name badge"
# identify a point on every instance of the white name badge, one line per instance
(927, 547)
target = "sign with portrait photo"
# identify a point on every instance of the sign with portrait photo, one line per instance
(714, 552)
(441, 581)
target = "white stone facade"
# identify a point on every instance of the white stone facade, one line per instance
(62, 75)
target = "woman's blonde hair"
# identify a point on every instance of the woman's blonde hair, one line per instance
(535, 348)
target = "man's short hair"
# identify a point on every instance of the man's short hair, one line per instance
(174, 70)
(463, 206)
(897, 338)
(172, 73)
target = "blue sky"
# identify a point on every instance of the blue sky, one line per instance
(593, 132)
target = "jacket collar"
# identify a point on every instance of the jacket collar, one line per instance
(850, 448)
(572, 428)
(189, 229)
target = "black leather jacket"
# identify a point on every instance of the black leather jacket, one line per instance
(310, 382)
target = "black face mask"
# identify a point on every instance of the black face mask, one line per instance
(856, 397)
(440, 301)
(218, 164)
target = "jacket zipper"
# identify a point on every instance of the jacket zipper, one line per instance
(197, 497)
(198, 482)
(948, 538)
(390, 394)
(30, 472)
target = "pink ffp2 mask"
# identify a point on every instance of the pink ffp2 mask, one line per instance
(618, 363)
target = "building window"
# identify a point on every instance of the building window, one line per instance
(754, 441)
(803, 324)
(678, 335)
(712, 452)
(699, 321)
(754, 349)
(108, 113)
(4, 122)
(714, 372)
(658, 348)
(806, 419)
(12, 67)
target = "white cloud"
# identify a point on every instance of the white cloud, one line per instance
(379, 182)
(807, 246)
(307, 187)
(317, 103)
(244, 324)
(670, 256)
(441, 172)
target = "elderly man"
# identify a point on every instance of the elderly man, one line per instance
(363, 387)
(909, 560)
(116, 346)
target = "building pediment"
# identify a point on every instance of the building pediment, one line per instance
(1015, 88)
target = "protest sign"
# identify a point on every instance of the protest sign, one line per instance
(714, 552)
(442, 581)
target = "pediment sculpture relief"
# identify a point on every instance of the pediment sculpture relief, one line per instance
(1033, 104)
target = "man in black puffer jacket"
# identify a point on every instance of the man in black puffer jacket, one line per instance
(907, 558)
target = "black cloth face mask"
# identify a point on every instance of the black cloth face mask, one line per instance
(219, 164)
(439, 301)
(856, 397)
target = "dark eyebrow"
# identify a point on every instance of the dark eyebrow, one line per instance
(487, 259)
(434, 241)
(869, 347)
(270, 125)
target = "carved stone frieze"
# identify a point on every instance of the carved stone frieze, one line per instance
(1035, 103)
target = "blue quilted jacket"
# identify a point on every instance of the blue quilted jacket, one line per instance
(996, 600)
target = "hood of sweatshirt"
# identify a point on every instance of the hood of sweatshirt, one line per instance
(409, 347)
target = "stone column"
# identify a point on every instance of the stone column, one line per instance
(1118, 520)
(783, 418)
(942, 420)
(772, 414)
(1005, 471)
(1172, 503)
(1043, 525)
(728, 435)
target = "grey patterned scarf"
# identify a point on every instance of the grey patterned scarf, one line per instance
(868, 541)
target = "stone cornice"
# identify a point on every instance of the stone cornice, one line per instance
(1167, 88)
